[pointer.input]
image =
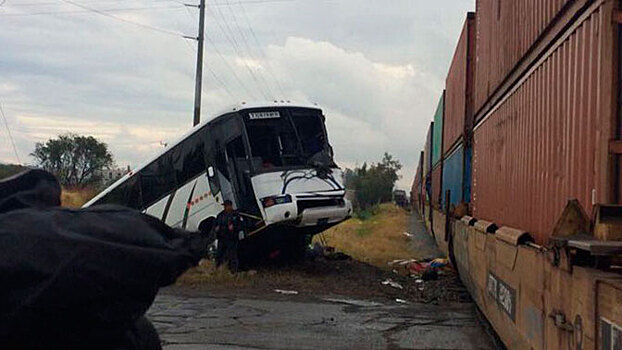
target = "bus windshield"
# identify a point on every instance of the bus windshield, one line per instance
(286, 138)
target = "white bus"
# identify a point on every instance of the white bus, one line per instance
(272, 160)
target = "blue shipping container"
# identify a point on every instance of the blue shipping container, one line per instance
(437, 134)
(456, 176)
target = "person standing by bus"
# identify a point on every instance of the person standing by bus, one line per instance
(228, 227)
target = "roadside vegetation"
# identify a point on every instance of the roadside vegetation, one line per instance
(372, 184)
(77, 161)
(75, 198)
(376, 238)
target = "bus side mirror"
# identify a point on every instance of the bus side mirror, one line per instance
(210, 171)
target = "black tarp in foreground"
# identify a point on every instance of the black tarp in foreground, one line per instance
(81, 279)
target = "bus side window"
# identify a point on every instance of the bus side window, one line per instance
(189, 159)
(157, 180)
(133, 193)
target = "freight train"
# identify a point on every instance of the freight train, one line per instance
(520, 179)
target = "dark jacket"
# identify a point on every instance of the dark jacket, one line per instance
(228, 226)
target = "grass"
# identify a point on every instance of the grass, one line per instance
(75, 198)
(377, 239)
(206, 272)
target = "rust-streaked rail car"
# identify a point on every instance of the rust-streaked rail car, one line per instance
(540, 246)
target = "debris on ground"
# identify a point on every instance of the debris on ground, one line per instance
(418, 268)
(408, 235)
(401, 301)
(348, 266)
(430, 274)
(286, 292)
(392, 283)
(318, 250)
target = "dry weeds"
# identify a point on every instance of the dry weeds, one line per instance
(75, 198)
(377, 240)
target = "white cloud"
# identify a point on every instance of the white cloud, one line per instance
(372, 107)
(377, 70)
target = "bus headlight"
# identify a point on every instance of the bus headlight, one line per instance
(275, 200)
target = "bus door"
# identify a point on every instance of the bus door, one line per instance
(229, 162)
(239, 168)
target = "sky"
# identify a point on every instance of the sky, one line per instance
(120, 70)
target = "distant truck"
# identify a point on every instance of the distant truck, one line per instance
(400, 198)
(272, 160)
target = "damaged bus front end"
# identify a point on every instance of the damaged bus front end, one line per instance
(295, 179)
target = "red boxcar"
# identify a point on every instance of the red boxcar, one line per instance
(459, 87)
(548, 140)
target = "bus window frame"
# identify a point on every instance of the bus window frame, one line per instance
(287, 112)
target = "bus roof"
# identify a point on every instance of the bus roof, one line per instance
(233, 108)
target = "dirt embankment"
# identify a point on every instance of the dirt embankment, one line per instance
(371, 243)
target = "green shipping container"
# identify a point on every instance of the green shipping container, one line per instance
(437, 139)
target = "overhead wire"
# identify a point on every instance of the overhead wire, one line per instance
(221, 56)
(55, 2)
(121, 19)
(214, 75)
(28, 14)
(248, 48)
(235, 47)
(8, 130)
(260, 47)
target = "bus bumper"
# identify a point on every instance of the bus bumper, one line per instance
(315, 216)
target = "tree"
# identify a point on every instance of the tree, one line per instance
(373, 184)
(75, 160)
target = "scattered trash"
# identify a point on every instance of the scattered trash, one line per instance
(429, 274)
(407, 234)
(414, 267)
(392, 283)
(439, 263)
(251, 272)
(401, 301)
(286, 292)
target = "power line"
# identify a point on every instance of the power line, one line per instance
(213, 73)
(105, 14)
(8, 130)
(221, 56)
(254, 2)
(235, 47)
(235, 75)
(88, 11)
(250, 27)
(46, 3)
(248, 48)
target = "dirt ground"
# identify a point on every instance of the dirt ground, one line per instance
(361, 275)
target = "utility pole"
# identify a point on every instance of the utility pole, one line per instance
(199, 75)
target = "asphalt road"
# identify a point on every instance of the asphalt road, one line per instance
(264, 319)
(186, 322)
